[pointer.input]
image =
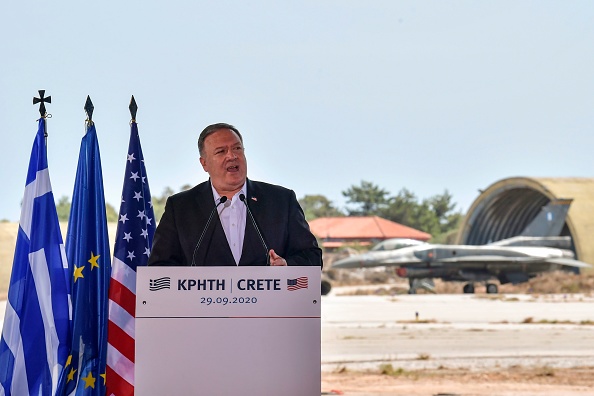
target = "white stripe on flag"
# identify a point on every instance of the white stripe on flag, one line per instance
(121, 318)
(12, 337)
(38, 187)
(43, 286)
(65, 265)
(120, 364)
(122, 272)
(64, 258)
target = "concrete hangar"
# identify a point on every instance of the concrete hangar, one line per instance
(506, 207)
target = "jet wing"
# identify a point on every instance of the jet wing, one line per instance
(462, 261)
(359, 261)
(568, 262)
(514, 260)
(491, 259)
(474, 262)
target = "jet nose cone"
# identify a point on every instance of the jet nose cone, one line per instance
(349, 262)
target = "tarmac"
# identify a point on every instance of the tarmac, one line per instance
(455, 331)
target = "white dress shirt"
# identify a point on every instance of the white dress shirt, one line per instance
(233, 214)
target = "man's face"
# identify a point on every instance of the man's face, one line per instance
(224, 160)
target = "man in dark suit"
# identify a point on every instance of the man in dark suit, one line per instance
(251, 223)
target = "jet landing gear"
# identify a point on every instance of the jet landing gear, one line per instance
(491, 288)
(425, 284)
(468, 288)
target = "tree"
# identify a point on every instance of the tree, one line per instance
(436, 215)
(64, 205)
(63, 208)
(403, 208)
(315, 206)
(159, 202)
(110, 213)
(445, 211)
(368, 198)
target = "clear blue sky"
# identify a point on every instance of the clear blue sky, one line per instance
(427, 96)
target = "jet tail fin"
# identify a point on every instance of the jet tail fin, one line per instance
(550, 220)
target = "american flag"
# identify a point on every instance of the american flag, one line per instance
(134, 239)
(295, 284)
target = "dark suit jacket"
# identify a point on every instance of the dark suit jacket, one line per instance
(276, 212)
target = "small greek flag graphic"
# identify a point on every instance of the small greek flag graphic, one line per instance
(160, 283)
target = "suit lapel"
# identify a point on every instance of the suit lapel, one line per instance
(214, 249)
(204, 200)
(252, 251)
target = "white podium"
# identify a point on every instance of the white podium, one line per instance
(251, 331)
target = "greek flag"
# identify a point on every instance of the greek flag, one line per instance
(33, 347)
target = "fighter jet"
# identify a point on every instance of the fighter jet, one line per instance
(514, 260)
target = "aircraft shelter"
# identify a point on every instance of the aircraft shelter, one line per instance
(506, 207)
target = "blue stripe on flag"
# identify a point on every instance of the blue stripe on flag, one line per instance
(33, 347)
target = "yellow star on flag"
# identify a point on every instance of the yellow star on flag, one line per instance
(71, 374)
(104, 376)
(93, 261)
(89, 381)
(78, 272)
(68, 361)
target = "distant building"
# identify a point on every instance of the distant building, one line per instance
(336, 232)
(504, 208)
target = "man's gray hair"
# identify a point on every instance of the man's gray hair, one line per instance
(209, 130)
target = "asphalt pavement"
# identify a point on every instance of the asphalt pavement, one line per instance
(468, 331)
(456, 331)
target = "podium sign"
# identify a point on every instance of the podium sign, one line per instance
(228, 331)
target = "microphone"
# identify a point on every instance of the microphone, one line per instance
(242, 199)
(223, 199)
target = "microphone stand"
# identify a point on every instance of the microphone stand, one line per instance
(223, 199)
(242, 199)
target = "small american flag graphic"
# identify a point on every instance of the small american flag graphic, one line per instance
(296, 284)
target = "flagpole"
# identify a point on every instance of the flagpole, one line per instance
(133, 243)
(35, 333)
(88, 254)
(89, 110)
(41, 100)
(133, 109)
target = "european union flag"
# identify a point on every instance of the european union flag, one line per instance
(33, 347)
(87, 249)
